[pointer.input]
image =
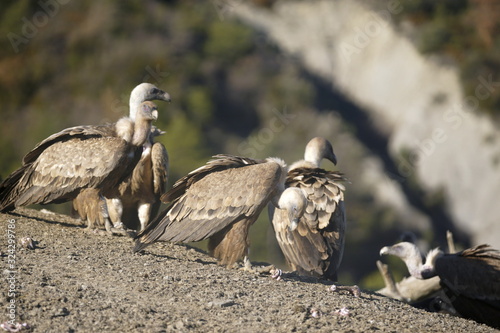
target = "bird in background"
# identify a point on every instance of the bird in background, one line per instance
(470, 278)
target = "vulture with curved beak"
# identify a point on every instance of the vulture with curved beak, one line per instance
(138, 197)
(470, 278)
(220, 201)
(65, 163)
(315, 245)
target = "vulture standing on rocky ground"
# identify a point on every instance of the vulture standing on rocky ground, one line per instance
(138, 198)
(220, 201)
(470, 279)
(315, 245)
(59, 167)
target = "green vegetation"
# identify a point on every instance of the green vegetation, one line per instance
(466, 31)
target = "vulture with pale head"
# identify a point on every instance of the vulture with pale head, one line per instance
(470, 278)
(220, 201)
(138, 197)
(315, 244)
(61, 166)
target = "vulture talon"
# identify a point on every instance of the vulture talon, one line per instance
(354, 290)
(276, 274)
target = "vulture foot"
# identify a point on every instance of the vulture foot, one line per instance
(354, 290)
(270, 269)
(96, 231)
(119, 229)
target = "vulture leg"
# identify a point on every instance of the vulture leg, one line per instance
(232, 243)
(144, 214)
(99, 206)
(103, 208)
(115, 209)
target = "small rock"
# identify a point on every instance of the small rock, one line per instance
(28, 243)
(62, 312)
(221, 304)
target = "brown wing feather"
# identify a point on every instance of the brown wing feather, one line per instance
(159, 157)
(218, 163)
(60, 166)
(212, 197)
(83, 132)
(316, 246)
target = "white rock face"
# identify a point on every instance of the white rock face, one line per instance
(417, 102)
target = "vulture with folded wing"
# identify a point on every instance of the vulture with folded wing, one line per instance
(138, 197)
(315, 245)
(220, 201)
(61, 166)
(470, 278)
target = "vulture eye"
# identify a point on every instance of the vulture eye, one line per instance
(155, 91)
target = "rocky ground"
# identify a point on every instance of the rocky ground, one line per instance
(74, 281)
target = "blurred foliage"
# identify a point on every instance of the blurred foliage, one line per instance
(77, 62)
(467, 31)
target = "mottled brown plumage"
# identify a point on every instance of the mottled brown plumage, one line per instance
(218, 201)
(140, 194)
(315, 245)
(470, 279)
(59, 167)
(138, 198)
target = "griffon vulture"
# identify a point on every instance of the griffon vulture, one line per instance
(59, 167)
(220, 201)
(470, 279)
(314, 246)
(138, 198)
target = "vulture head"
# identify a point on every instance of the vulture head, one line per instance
(295, 203)
(146, 92)
(148, 111)
(410, 254)
(317, 149)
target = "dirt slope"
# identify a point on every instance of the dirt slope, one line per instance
(75, 281)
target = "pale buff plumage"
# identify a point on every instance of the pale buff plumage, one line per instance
(315, 245)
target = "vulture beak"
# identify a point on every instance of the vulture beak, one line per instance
(385, 250)
(294, 220)
(331, 157)
(154, 114)
(165, 97)
(155, 131)
(427, 273)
